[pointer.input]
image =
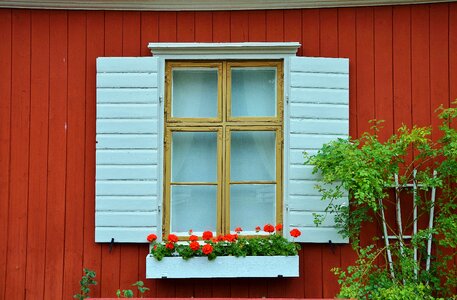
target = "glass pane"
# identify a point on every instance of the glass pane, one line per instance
(193, 207)
(194, 93)
(245, 199)
(253, 155)
(194, 157)
(253, 92)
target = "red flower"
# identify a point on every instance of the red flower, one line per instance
(278, 227)
(295, 232)
(193, 238)
(172, 238)
(207, 249)
(170, 245)
(152, 237)
(190, 231)
(207, 235)
(238, 229)
(194, 246)
(220, 238)
(268, 228)
(230, 237)
(155, 247)
(257, 229)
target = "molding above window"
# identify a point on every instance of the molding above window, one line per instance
(224, 50)
(191, 5)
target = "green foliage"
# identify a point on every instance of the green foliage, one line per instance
(363, 168)
(86, 281)
(141, 288)
(124, 294)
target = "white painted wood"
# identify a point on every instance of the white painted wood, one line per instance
(126, 141)
(318, 112)
(127, 111)
(126, 95)
(126, 203)
(218, 51)
(208, 5)
(126, 157)
(125, 188)
(127, 207)
(148, 125)
(318, 95)
(127, 172)
(223, 267)
(127, 219)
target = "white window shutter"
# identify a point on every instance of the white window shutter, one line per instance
(318, 113)
(127, 204)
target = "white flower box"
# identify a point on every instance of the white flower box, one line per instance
(222, 267)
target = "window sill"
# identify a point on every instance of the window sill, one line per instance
(223, 267)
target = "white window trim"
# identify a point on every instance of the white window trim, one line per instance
(223, 51)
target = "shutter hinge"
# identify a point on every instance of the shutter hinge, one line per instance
(287, 99)
(160, 99)
(159, 208)
(287, 207)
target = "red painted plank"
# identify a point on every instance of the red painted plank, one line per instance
(186, 26)
(239, 23)
(113, 33)
(312, 270)
(131, 39)
(36, 232)
(167, 27)
(151, 284)
(5, 119)
(94, 49)
(129, 267)
(420, 64)
(293, 32)
(239, 287)
(275, 25)
(439, 62)
(19, 157)
(257, 26)
(75, 152)
(310, 32)
(347, 48)
(295, 287)
(365, 89)
(402, 66)
(204, 26)
(149, 30)
(55, 217)
(453, 52)
(328, 34)
(383, 69)
(221, 26)
(111, 260)
(331, 258)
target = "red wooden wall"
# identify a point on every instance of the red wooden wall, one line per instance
(403, 64)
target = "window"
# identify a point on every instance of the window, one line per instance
(223, 145)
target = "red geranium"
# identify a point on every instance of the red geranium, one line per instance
(170, 246)
(268, 228)
(295, 232)
(172, 238)
(152, 237)
(230, 237)
(278, 227)
(207, 249)
(257, 229)
(194, 246)
(238, 229)
(193, 238)
(207, 235)
(190, 231)
(220, 238)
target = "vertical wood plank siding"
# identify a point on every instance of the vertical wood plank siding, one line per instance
(403, 64)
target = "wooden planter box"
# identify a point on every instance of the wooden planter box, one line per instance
(222, 267)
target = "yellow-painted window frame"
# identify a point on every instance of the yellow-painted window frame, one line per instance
(223, 124)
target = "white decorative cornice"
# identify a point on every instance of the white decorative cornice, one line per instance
(180, 5)
(223, 50)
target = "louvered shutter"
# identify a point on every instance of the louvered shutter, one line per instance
(318, 113)
(127, 150)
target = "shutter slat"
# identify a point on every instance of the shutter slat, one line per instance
(127, 208)
(318, 114)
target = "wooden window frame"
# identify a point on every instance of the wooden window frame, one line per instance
(223, 124)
